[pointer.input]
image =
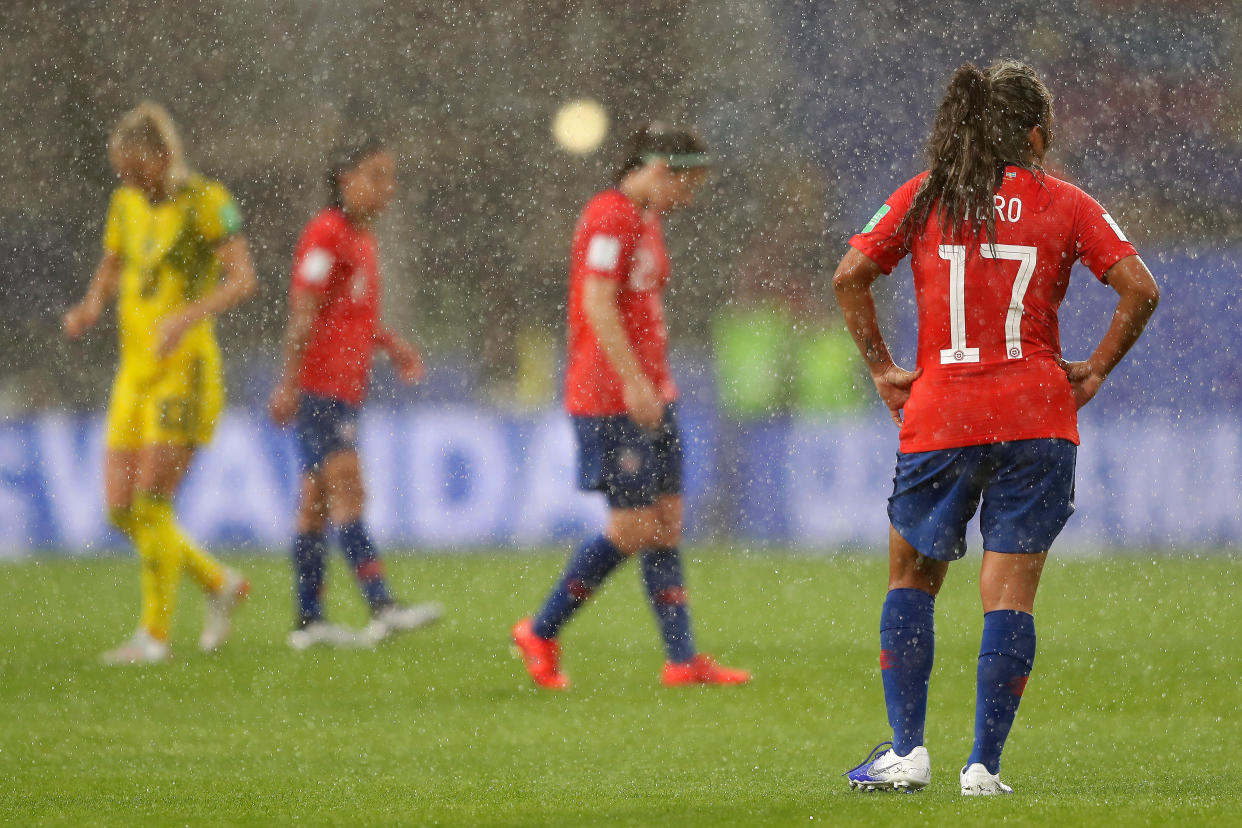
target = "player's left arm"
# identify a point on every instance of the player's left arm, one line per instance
(852, 286)
(1138, 296)
(238, 284)
(219, 223)
(404, 355)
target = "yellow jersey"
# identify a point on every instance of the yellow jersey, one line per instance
(168, 260)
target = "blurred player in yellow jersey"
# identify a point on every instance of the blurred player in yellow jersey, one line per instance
(174, 257)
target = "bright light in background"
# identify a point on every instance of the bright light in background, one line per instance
(580, 126)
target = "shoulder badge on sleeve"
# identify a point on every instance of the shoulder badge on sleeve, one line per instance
(879, 214)
(230, 218)
(603, 252)
(315, 266)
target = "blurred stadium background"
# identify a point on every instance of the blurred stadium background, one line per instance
(817, 111)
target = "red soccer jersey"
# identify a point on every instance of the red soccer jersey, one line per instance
(987, 316)
(615, 240)
(338, 261)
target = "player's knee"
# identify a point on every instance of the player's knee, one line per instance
(626, 544)
(346, 497)
(632, 530)
(313, 521)
(346, 507)
(312, 516)
(667, 535)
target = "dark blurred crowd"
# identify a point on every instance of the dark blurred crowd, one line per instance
(816, 109)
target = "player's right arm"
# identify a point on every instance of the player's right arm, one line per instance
(107, 278)
(103, 287)
(603, 313)
(611, 235)
(312, 273)
(304, 309)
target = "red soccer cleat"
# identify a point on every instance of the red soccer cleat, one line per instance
(701, 670)
(542, 657)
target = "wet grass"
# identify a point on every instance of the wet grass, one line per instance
(1130, 717)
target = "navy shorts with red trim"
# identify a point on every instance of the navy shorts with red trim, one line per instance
(324, 426)
(1026, 488)
(632, 466)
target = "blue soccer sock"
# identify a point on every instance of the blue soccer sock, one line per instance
(587, 568)
(907, 650)
(1006, 656)
(308, 575)
(368, 569)
(666, 589)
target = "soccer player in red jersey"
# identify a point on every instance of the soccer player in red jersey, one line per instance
(333, 331)
(990, 412)
(622, 399)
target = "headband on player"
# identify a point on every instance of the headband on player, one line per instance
(346, 156)
(680, 160)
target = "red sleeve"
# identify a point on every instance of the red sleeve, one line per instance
(878, 241)
(1099, 242)
(314, 259)
(609, 232)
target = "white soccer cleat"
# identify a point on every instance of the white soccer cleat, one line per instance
(884, 770)
(396, 618)
(976, 781)
(221, 605)
(141, 648)
(321, 633)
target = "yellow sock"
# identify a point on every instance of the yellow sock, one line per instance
(122, 517)
(202, 567)
(156, 609)
(161, 563)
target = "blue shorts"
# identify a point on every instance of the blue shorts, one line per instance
(1027, 489)
(633, 467)
(323, 427)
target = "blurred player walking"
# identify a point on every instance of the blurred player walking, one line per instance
(990, 412)
(174, 257)
(334, 329)
(622, 398)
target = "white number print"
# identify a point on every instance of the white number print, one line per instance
(958, 352)
(1013, 317)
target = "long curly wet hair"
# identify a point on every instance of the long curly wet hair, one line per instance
(982, 124)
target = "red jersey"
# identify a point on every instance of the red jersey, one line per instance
(338, 261)
(615, 240)
(987, 316)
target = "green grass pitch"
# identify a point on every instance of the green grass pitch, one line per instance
(1131, 716)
